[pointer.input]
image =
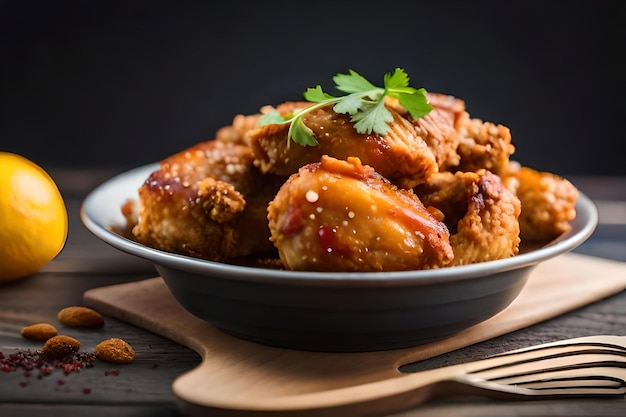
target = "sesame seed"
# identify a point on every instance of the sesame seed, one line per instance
(311, 196)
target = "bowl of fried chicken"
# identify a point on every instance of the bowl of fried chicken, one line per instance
(381, 219)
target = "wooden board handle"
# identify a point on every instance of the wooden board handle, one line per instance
(565, 367)
(234, 373)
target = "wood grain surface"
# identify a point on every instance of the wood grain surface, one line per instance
(236, 375)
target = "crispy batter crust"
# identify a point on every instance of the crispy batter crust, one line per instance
(481, 213)
(548, 203)
(207, 201)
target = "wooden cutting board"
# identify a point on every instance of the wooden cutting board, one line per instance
(237, 376)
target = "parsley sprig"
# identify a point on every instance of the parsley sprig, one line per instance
(364, 102)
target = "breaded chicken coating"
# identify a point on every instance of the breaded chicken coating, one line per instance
(548, 203)
(207, 201)
(484, 145)
(480, 212)
(337, 215)
(438, 131)
(439, 128)
(459, 142)
(400, 155)
(237, 131)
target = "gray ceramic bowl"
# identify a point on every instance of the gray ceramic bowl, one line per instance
(330, 311)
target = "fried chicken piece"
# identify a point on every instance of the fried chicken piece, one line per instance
(484, 145)
(207, 201)
(480, 212)
(548, 203)
(337, 215)
(400, 155)
(237, 131)
(454, 106)
(439, 128)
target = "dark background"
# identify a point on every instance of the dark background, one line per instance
(124, 83)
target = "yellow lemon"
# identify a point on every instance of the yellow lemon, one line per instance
(33, 217)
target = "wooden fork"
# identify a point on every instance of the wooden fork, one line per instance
(588, 367)
(592, 366)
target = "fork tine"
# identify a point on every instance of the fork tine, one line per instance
(546, 352)
(563, 352)
(549, 390)
(597, 370)
(603, 341)
(603, 379)
(586, 366)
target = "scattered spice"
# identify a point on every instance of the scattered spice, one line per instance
(45, 369)
(39, 331)
(114, 350)
(63, 352)
(29, 361)
(59, 347)
(79, 316)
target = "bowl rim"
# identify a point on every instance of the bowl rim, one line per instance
(583, 227)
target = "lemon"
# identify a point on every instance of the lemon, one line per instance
(33, 217)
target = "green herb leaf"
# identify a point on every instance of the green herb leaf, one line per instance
(415, 103)
(352, 83)
(301, 133)
(399, 79)
(271, 118)
(365, 103)
(349, 105)
(372, 118)
(317, 95)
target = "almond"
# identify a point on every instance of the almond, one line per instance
(78, 316)
(59, 347)
(114, 350)
(39, 331)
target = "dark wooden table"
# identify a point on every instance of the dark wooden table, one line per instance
(144, 388)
